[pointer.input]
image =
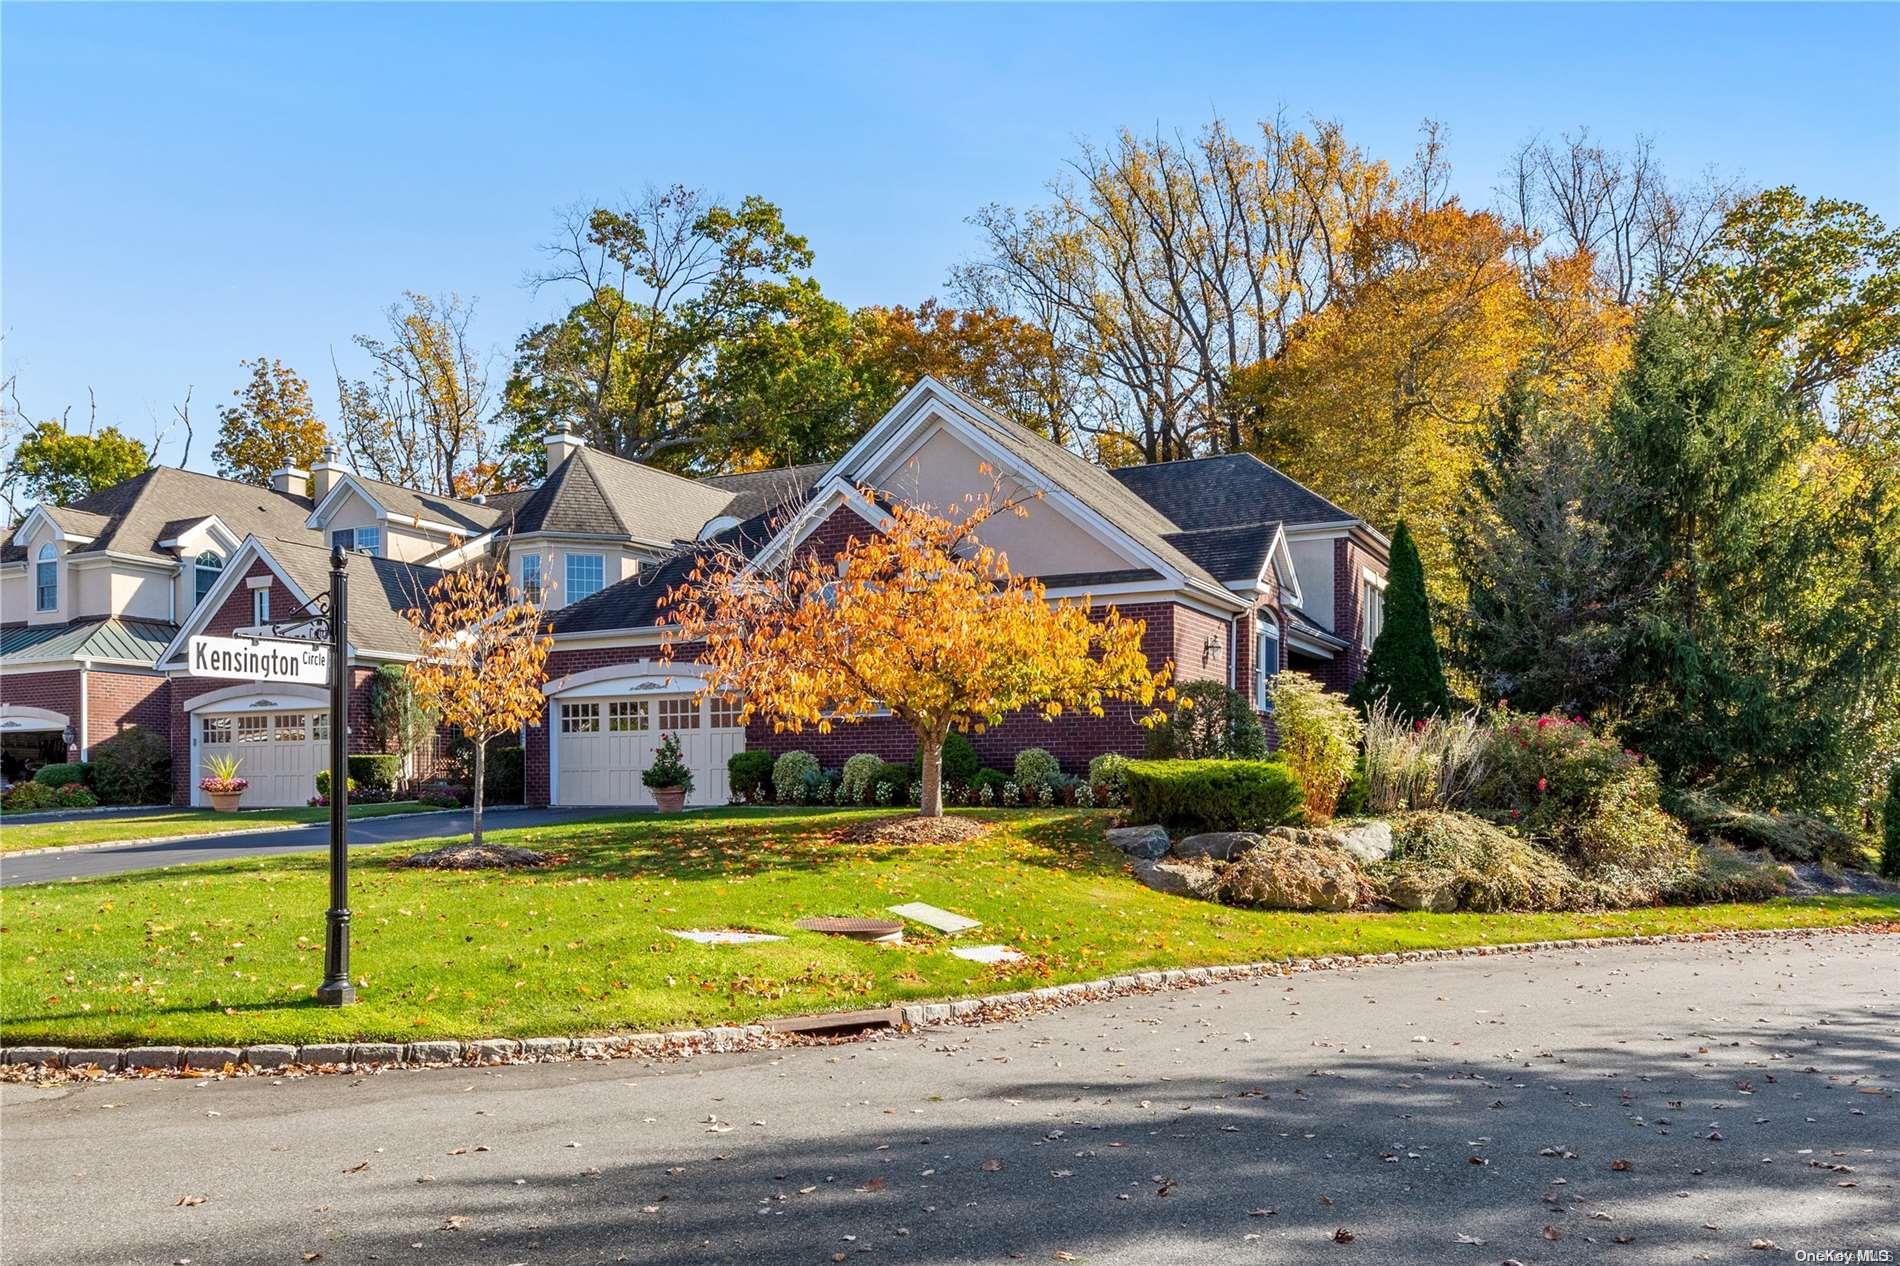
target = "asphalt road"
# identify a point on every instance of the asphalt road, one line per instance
(1690, 1099)
(39, 868)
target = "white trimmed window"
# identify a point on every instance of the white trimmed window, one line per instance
(253, 729)
(1266, 661)
(679, 714)
(586, 575)
(291, 727)
(580, 718)
(205, 570)
(319, 727)
(214, 730)
(724, 713)
(46, 579)
(627, 715)
(1371, 609)
(531, 577)
(260, 607)
(360, 540)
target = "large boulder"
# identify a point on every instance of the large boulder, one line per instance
(1369, 841)
(1435, 891)
(1282, 875)
(1219, 846)
(1178, 879)
(1148, 842)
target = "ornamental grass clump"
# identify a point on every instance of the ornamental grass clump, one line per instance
(1319, 740)
(1428, 763)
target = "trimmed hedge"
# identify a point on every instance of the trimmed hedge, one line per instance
(61, 774)
(134, 766)
(378, 770)
(1214, 795)
(749, 776)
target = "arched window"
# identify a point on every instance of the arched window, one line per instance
(205, 574)
(46, 579)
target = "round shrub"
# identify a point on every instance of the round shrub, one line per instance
(990, 780)
(32, 797)
(816, 789)
(323, 784)
(1035, 767)
(1210, 721)
(889, 783)
(61, 774)
(749, 776)
(1109, 772)
(74, 795)
(788, 775)
(134, 766)
(858, 772)
(1213, 795)
(959, 759)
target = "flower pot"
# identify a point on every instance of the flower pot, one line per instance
(225, 801)
(670, 799)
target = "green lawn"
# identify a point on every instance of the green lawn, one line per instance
(160, 823)
(231, 952)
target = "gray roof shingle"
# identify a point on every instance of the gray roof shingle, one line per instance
(134, 516)
(596, 494)
(1210, 492)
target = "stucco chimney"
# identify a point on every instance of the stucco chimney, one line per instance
(325, 475)
(290, 479)
(562, 444)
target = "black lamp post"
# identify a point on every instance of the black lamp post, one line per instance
(336, 989)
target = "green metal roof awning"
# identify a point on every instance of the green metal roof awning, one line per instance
(123, 641)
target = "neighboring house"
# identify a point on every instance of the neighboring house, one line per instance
(1236, 570)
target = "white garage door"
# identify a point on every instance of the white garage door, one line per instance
(279, 754)
(602, 746)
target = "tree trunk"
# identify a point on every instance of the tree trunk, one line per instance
(481, 770)
(931, 797)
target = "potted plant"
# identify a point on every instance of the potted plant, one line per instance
(668, 776)
(223, 785)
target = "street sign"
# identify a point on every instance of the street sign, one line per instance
(258, 659)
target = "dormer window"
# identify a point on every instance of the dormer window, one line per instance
(586, 575)
(361, 540)
(205, 570)
(531, 578)
(46, 579)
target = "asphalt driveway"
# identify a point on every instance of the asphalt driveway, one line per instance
(39, 868)
(1719, 1101)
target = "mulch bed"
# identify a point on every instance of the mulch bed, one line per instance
(478, 857)
(914, 830)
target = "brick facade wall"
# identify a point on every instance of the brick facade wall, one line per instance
(116, 700)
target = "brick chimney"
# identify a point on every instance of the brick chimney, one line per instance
(290, 479)
(562, 444)
(325, 475)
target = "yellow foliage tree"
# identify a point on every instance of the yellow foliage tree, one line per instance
(920, 618)
(272, 425)
(483, 658)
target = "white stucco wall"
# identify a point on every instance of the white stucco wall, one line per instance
(1313, 563)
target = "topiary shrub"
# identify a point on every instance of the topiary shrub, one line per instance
(855, 781)
(75, 796)
(1108, 774)
(1444, 861)
(31, 797)
(788, 775)
(1190, 796)
(749, 776)
(1035, 767)
(1318, 740)
(61, 774)
(1210, 721)
(379, 771)
(1890, 847)
(134, 766)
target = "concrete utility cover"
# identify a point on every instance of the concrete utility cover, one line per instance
(722, 937)
(988, 953)
(930, 916)
(885, 930)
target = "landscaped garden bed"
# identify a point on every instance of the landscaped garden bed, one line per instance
(230, 953)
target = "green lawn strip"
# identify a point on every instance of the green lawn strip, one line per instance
(159, 823)
(230, 952)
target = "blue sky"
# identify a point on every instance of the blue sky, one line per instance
(184, 187)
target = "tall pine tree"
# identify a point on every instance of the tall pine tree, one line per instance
(1404, 669)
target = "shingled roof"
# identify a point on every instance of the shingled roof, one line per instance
(1210, 492)
(596, 494)
(402, 503)
(134, 516)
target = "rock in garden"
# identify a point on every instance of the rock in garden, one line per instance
(1278, 875)
(1369, 841)
(477, 857)
(1218, 846)
(1140, 841)
(1435, 891)
(1179, 879)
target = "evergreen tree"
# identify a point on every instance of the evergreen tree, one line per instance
(1404, 668)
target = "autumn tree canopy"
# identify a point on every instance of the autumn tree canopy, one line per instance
(273, 424)
(920, 618)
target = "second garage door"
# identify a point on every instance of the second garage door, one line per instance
(602, 746)
(279, 754)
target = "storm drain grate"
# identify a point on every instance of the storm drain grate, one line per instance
(883, 930)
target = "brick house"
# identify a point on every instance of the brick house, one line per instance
(1236, 571)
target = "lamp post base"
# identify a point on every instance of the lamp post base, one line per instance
(336, 993)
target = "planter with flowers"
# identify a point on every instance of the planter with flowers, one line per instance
(223, 784)
(668, 777)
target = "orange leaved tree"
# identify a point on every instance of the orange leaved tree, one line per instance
(483, 658)
(920, 618)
